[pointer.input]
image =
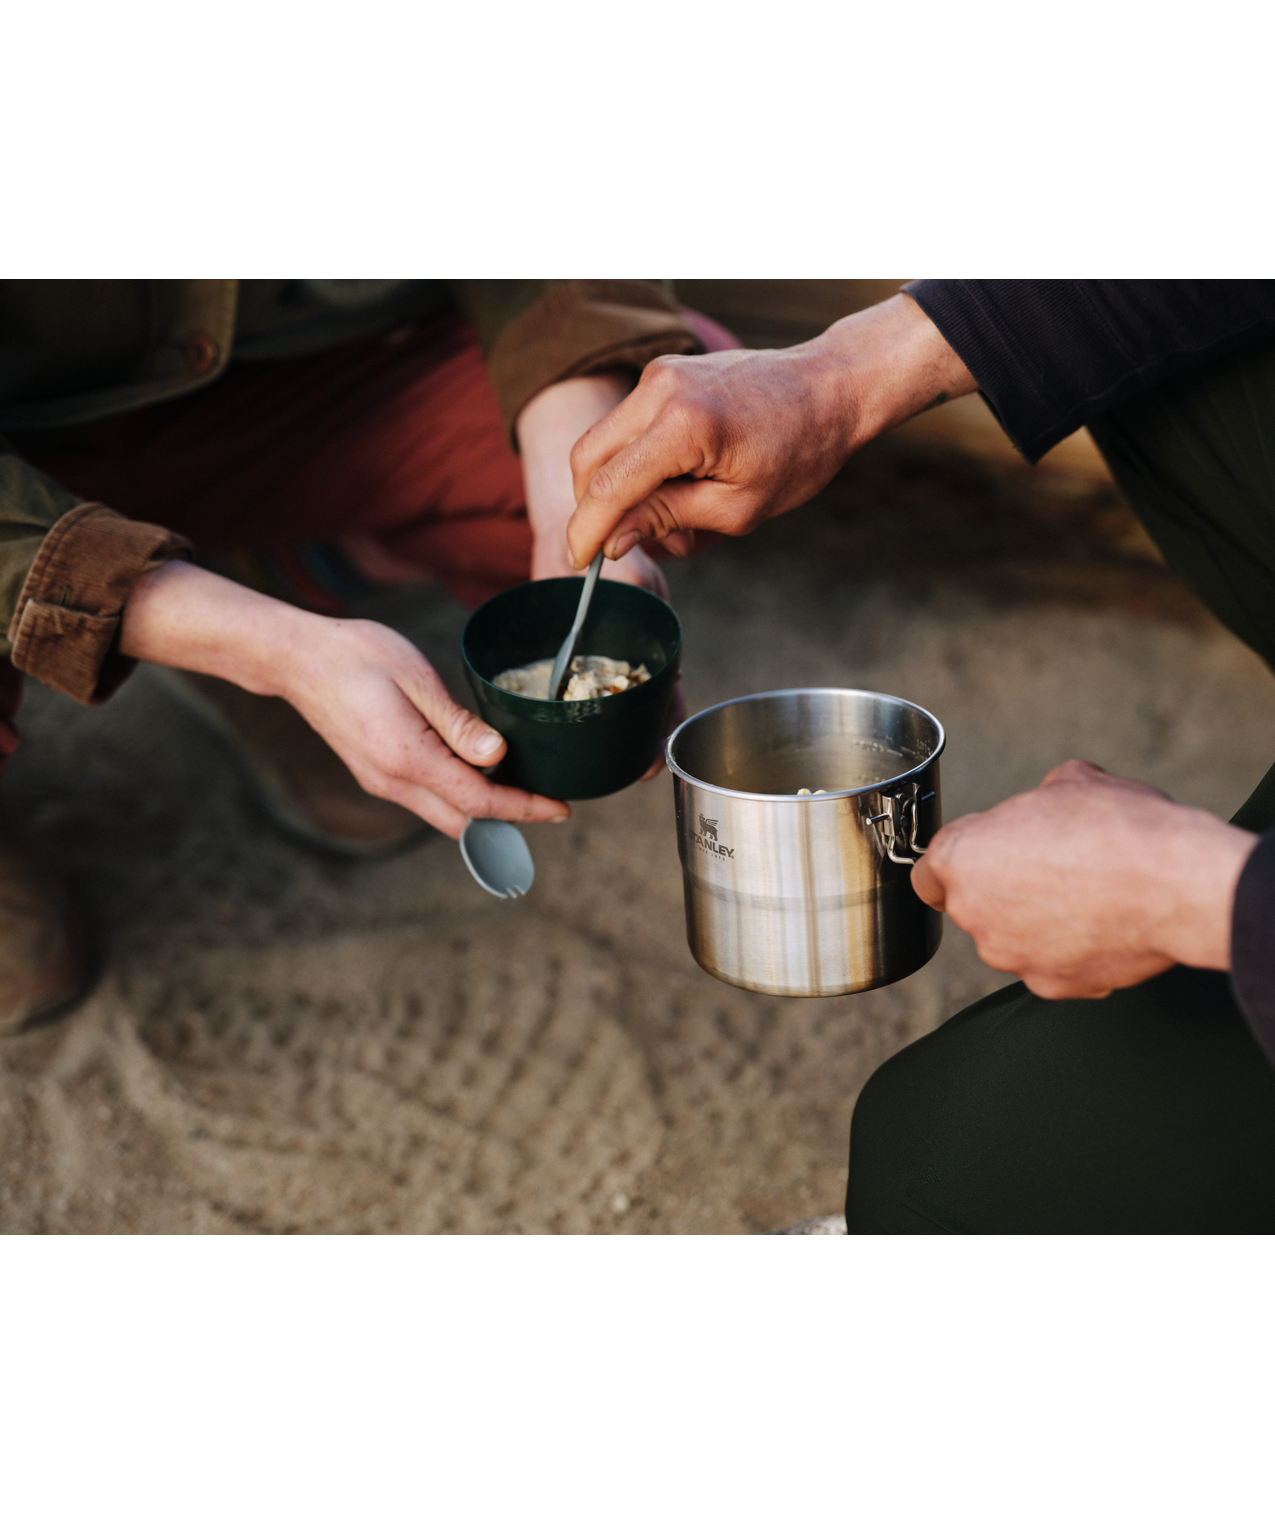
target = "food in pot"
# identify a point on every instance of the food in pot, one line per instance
(816, 791)
(592, 678)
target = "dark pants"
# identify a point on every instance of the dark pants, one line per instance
(1152, 1110)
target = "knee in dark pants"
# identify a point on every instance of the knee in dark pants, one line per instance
(902, 1151)
(1150, 1111)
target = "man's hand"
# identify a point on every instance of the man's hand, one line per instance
(365, 689)
(1089, 883)
(724, 442)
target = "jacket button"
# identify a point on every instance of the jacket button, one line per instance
(201, 352)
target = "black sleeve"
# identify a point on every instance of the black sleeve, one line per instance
(1253, 943)
(1048, 354)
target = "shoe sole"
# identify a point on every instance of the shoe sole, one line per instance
(71, 999)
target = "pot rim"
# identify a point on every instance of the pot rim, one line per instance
(802, 799)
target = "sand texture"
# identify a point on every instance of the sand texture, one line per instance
(283, 1043)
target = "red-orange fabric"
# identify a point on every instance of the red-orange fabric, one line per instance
(398, 437)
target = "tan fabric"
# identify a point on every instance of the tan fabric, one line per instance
(585, 326)
(66, 625)
(30, 503)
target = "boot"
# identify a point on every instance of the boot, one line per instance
(44, 960)
(293, 774)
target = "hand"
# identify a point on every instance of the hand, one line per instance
(728, 440)
(1088, 883)
(366, 690)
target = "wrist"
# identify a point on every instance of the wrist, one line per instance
(889, 363)
(1198, 862)
(182, 616)
(283, 651)
(547, 428)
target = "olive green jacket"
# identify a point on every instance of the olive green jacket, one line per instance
(77, 351)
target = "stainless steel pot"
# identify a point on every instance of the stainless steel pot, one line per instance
(807, 894)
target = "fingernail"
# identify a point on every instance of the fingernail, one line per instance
(488, 742)
(558, 819)
(619, 547)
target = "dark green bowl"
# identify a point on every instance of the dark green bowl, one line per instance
(574, 749)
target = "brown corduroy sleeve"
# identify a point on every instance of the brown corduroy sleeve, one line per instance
(584, 326)
(65, 629)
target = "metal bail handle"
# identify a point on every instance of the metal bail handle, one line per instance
(897, 821)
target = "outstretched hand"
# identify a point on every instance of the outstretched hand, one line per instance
(719, 443)
(1088, 883)
(724, 442)
(371, 695)
(382, 708)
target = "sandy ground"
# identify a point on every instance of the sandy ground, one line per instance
(282, 1043)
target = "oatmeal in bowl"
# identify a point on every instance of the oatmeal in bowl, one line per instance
(592, 677)
(610, 726)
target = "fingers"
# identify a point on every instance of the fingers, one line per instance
(491, 802)
(627, 478)
(680, 543)
(1071, 770)
(385, 712)
(1062, 988)
(614, 431)
(467, 734)
(671, 515)
(429, 779)
(927, 884)
(1080, 770)
(661, 515)
(413, 744)
(502, 804)
(431, 808)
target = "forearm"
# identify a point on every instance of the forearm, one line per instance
(186, 617)
(547, 428)
(883, 365)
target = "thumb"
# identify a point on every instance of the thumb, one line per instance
(928, 885)
(467, 734)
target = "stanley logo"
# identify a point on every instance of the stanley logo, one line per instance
(706, 839)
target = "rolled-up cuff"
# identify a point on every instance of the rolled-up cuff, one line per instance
(582, 327)
(65, 630)
(1253, 943)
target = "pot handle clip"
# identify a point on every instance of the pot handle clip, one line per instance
(896, 825)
